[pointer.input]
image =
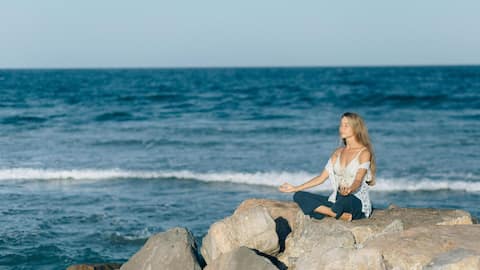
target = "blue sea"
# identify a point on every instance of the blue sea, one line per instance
(94, 161)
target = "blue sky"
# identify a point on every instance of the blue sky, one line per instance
(106, 33)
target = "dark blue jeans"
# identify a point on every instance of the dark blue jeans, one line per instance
(308, 202)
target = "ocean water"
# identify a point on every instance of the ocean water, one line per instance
(93, 162)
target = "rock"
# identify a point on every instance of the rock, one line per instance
(396, 219)
(313, 238)
(253, 228)
(174, 249)
(415, 217)
(277, 209)
(457, 259)
(419, 247)
(240, 259)
(342, 258)
(102, 266)
(393, 219)
(283, 213)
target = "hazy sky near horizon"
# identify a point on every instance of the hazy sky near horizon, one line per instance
(107, 33)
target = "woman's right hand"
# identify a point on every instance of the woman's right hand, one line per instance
(286, 187)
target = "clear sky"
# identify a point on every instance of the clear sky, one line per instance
(177, 33)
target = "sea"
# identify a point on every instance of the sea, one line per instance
(95, 161)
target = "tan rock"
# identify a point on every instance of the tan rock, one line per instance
(342, 259)
(397, 219)
(277, 209)
(315, 236)
(415, 248)
(393, 219)
(253, 228)
(174, 249)
(457, 259)
(240, 259)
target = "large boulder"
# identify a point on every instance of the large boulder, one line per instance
(429, 246)
(240, 259)
(342, 258)
(174, 249)
(396, 219)
(393, 219)
(284, 214)
(278, 210)
(253, 228)
(313, 238)
(457, 259)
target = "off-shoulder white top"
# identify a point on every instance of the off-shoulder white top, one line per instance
(345, 176)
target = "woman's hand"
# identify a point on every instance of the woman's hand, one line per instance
(345, 190)
(286, 187)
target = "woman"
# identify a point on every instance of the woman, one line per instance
(351, 169)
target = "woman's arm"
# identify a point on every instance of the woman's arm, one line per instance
(317, 180)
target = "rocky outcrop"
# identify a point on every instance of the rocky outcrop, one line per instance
(430, 246)
(312, 240)
(396, 219)
(174, 249)
(268, 234)
(253, 228)
(240, 259)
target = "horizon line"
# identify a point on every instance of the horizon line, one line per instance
(241, 67)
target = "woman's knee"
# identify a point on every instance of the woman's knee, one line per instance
(299, 196)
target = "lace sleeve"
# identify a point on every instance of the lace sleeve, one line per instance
(329, 166)
(365, 165)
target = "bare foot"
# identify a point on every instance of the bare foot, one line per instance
(346, 217)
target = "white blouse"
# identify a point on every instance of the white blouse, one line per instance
(345, 176)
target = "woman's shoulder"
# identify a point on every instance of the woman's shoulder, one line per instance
(365, 155)
(336, 152)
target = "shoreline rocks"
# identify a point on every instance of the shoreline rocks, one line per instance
(253, 228)
(270, 234)
(173, 249)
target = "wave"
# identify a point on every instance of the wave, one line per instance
(137, 238)
(467, 182)
(21, 120)
(115, 116)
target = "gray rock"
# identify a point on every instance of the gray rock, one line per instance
(457, 259)
(397, 219)
(342, 258)
(277, 209)
(393, 219)
(240, 259)
(253, 228)
(174, 249)
(418, 247)
(313, 238)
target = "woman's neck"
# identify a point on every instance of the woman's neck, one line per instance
(352, 143)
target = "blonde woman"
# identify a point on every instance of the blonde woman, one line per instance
(351, 169)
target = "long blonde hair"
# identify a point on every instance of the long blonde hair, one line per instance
(361, 133)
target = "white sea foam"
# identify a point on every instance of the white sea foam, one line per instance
(468, 182)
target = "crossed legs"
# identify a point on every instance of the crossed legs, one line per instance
(318, 206)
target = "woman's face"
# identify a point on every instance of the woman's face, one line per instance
(345, 130)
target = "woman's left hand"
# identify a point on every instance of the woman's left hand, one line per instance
(345, 191)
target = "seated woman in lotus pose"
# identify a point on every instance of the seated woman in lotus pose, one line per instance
(351, 169)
